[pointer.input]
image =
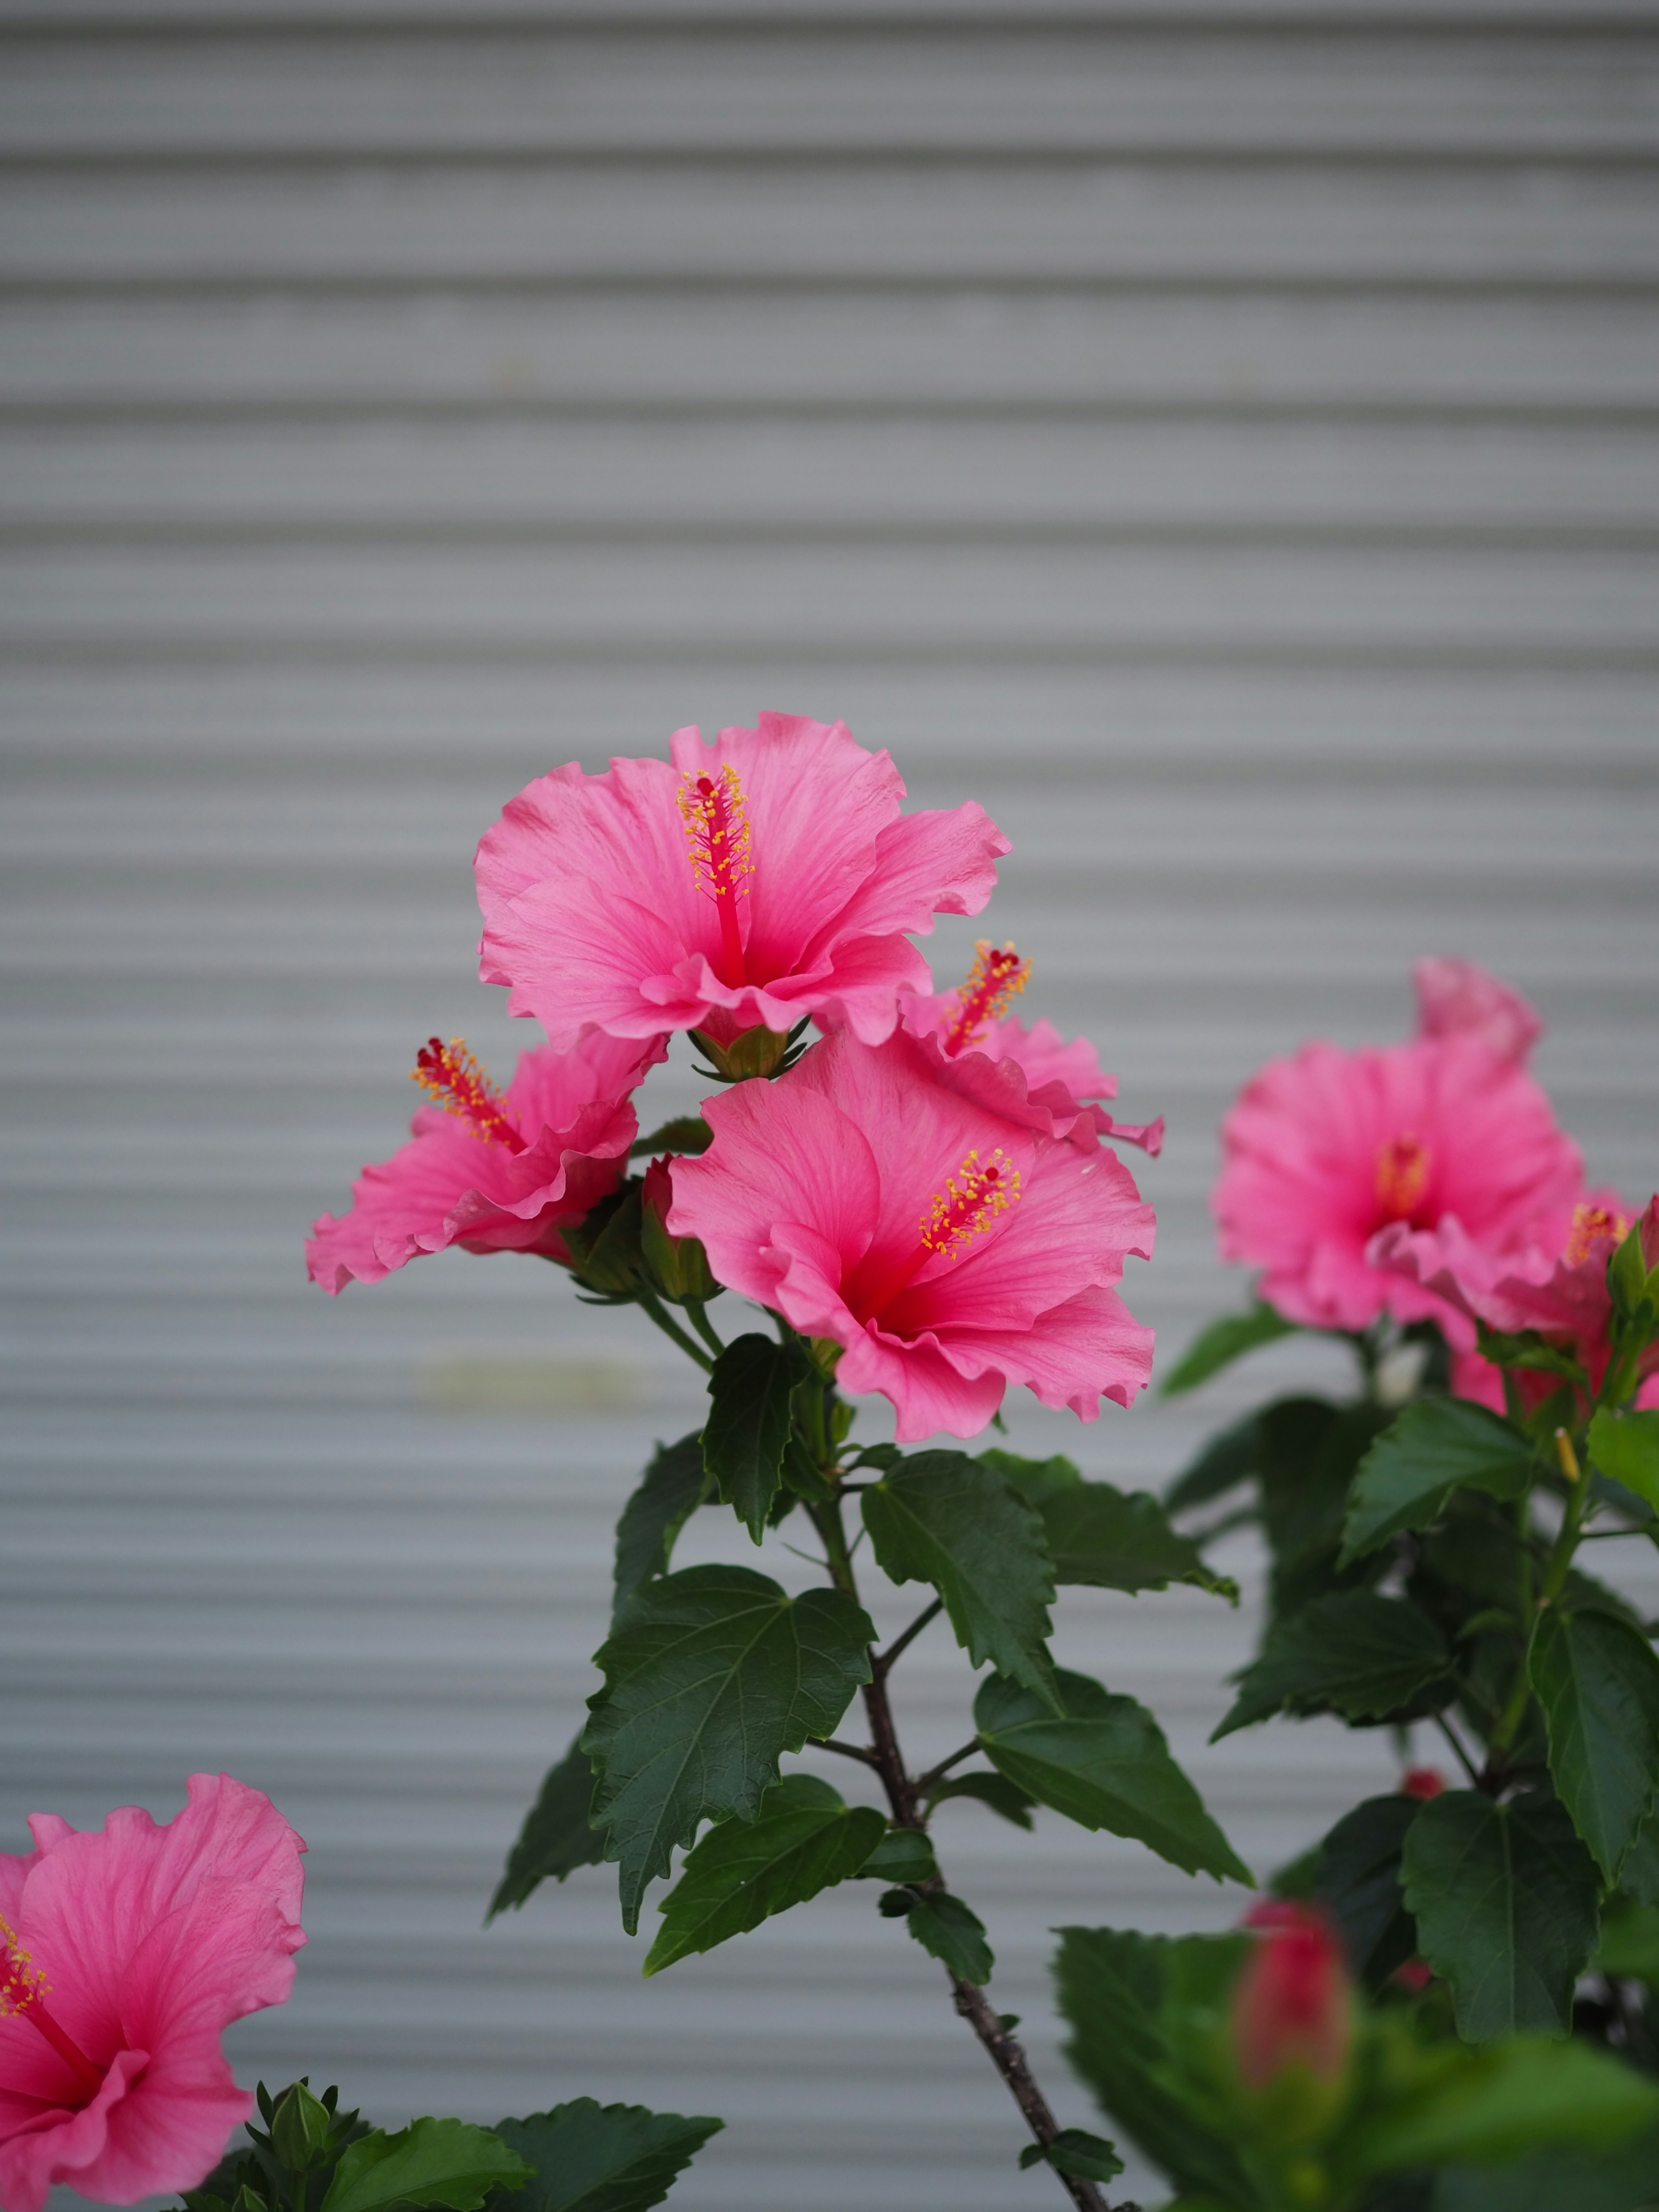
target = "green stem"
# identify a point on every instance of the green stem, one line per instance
(1555, 1576)
(670, 1327)
(697, 1314)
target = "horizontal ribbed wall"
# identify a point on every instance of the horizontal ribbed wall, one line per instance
(1225, 444)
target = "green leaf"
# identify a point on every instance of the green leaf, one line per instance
(1640, 1875)
(1526, 1348)
(1528, 2093)
(1105, 1763)
(671, 1490)
(1558, 2181)
(945, 1929)
(1626, 1447)
(1505, 1899)
(688, 1132)
(902, 1855)
(1629, 1941)
(1368, 1658)
(436, 2162)
(1113, 1988)
(1357, 1875)
(713, 1674)
(1436, 1447)
(992, 1789)
(1597, 1680)
(1309, 1453)
(1228, 1458)
(943, 1518)
(1034, 1479)
(1221, 1343)
(1103, 1537)
(589, 2157)
(748, 1426)
(555, 1838)
(1075, 2151)
(802, 1839)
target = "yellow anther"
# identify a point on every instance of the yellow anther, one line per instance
(970, 1201)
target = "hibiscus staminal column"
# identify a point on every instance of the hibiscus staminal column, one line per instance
(717, 830)
(22, 1996)
(996, 979)
(452, 1080)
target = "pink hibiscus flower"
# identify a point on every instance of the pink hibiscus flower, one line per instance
(489, 1172)
(1456, 999)
(125, 1953)
(1324, 1149)
(1557, 1285)
(917, 1212)
(1066, 1079)
(755, 881)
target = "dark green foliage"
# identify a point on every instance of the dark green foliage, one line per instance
(672, 1489)
(902, 1855)
(555, 1838)
(713, 1675)
(689, 1133)
(943, 1927)
(1103, 1761)
(1366, 1657)
(1505, 1899)
(1228, 1458)
(1436, 1447)
(1308, 1454)
(1117, 1541)
(286, 2165)
(1558, 2181)
(943, 1518)
(802, 1839)
(992, 1789)
(1221, 1343)
(1034, 1479)
(1625, 1447)
(1112, 1987)
(1356, 1875)
(748, 1425)
(1597, 1681)
(588, 2157)
(430, 2162)
(1074, 2150)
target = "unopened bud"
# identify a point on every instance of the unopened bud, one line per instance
(604, 1245)
(753, 1052)
(1292, 2022)
(678, 1265)
(298, 2128)
(1422, 1782)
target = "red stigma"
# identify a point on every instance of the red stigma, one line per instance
(452, 1078)
(997, 976)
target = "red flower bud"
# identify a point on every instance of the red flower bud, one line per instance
(1423, 1782)
(1291, 2005)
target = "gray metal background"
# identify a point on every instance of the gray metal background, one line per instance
(1221, 438)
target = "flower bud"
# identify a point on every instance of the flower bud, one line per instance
(1422, 1783)
(678, 1265)
(299, 2127)
(753, 1051)
(1292, 2022)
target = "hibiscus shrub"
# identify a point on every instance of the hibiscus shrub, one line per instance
(921, 1200)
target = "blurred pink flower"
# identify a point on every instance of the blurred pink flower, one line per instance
(1292, 2005)
(1065, 1077)
(488, 1172)
(1456, 999)
(1557, 1285)
(917, 1212)
(125, 1953)
(765, 877)
(1324, 1149)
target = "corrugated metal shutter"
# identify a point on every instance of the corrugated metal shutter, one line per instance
(1223, 441)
